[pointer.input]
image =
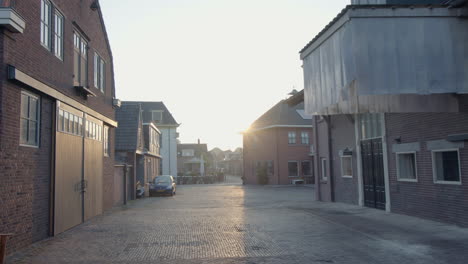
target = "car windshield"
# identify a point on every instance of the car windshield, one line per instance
(162, 180)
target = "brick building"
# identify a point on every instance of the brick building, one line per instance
(280, 143)
(391, 126)
(56, 117)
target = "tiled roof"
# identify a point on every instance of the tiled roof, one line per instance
(282, 114)
(129, 119)
(147, 107)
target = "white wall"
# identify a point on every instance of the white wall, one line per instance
(169, 150)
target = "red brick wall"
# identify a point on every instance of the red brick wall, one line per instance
(447, 203)
(272, 145)
(24, 173)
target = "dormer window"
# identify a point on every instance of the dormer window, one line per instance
(156, 116)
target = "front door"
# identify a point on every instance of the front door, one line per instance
(373, 173)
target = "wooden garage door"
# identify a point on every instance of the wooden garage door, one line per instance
(93, 167)
(69, 184)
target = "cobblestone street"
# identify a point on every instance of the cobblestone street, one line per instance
(237, 224)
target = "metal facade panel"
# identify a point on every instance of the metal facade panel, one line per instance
(93, 175)
(372, 63)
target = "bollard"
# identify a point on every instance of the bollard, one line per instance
(3, 241)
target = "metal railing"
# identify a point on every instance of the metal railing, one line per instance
(7, 3)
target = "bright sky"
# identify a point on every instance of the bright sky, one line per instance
(216, 64)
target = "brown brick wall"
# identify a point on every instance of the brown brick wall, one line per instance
(24, 173)
(446, 203)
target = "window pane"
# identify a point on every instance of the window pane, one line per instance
(292, 169)
(324, 169)
(33, 108)
(407, 166)
(32, 138)
(102, 75)
(60, 123)
(447, 166)
(346, 165)
(65, 122)
(24, 106)
(80, 126)
(306, 168)
(96, 70)
(24, 131)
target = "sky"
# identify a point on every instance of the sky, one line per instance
(218, 65)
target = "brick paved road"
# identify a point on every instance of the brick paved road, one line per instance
(223, 224)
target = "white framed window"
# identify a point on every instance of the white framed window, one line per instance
(80, 60)
(46, 8)
(406, 166)
(93, 131)
(69, 123)
(292, 137)
(270, 167)
(106, 142)
(188, 153)
(347, 166)
(446, 166)
(58, 34)
(324, 173)
(99, 73)
(305, 138)
(293, 168)
(156, 115)
(306, 167)
(29, 120)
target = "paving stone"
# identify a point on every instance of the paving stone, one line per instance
(234, 224)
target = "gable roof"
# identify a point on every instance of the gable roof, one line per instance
(199, 148)
(283, 114)
(127, 135)
(167, 118)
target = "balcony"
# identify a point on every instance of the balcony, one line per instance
(9, 18)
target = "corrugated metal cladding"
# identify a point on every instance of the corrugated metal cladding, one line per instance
(384, 59)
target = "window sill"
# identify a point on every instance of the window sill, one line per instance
(347, 177)
(448, 182)
(29, 146)
(293, 176)
(407, 180)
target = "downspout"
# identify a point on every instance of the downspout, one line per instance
(330, 159)
(317, 161)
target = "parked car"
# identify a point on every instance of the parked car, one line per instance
(161, 185)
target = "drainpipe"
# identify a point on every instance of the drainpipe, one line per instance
(317, 161)
(330, 159)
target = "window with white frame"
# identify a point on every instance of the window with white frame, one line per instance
(106, 142)
(69, 123)
(293, 170)
(406, 166)
(347, 166)
(80, 60)
(305, 138)
(99, 73)
(270, 167)
(29, 120)
(188, 153)
(156, 116)
(46, 8)
(446, 166)
(306, 167)
(58, 34)
(292, 137)
(324, 173)
(93, 131)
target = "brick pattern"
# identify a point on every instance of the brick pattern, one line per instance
(272, 145)
(447, 203)
(343, 136)
(25, 173)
